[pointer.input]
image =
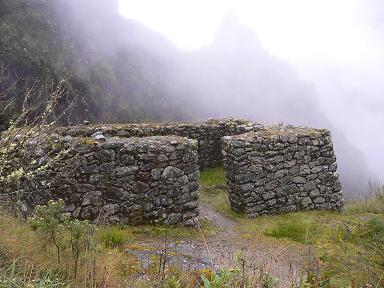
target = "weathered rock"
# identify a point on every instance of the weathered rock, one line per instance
(284, 169)
(154, 178)
(208, 134)
(99, 182)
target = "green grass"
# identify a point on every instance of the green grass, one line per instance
(371, 205)
(213, 177)
(13, 275)
(294, 228)
(348, 245)
(113, 237)
(213, 190)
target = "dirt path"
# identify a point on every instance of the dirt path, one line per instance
(225, 225)
(283, 263)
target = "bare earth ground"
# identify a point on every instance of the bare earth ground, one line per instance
(283, 263)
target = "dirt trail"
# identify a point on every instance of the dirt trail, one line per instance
(224, 224)
(283, 263)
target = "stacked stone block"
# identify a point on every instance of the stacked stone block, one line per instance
(2, 123)
(282, 169)
(208, 134)
(134, 180)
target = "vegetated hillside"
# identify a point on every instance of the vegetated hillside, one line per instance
(117, 81)
(124, 72)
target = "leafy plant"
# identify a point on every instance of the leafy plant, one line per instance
(173, 282)
(49, 220)
(54, 226)
(221, 280)
(81, 238)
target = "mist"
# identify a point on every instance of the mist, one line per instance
(236, 76)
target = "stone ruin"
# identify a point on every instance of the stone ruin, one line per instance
(2, 123)
(281, 169)
(149, 173)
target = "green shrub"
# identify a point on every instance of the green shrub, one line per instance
(221, 280)
(59, 230)
(81, 235)
(49, 221)
(173, 282)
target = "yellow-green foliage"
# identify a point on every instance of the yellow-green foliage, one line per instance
(348, 248)
(295, 228)
(113, 237)
(89, 141)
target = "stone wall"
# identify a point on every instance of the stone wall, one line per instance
(281, 169)
(208, 134)
(135, 180)
(2, 123)
(133, 173)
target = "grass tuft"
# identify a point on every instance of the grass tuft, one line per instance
(113, 237)
(295, 229)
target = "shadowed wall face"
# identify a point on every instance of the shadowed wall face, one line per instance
(282, 169)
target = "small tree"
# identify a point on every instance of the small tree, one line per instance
(81, 238)
(59, 230)
(49, 220)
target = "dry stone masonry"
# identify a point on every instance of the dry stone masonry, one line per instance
(149, 173)
(281, 169)
(208, 134)
(134, 180)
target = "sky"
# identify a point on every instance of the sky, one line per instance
(331, 33)
(335, 44)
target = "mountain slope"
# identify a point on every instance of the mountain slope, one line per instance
(124, 72)
(118, 79)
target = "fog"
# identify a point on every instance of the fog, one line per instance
(234, 73)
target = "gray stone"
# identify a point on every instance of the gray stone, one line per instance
(293, 166)
(171, 173)
(299, 180)
(268, 195)
(98, 136)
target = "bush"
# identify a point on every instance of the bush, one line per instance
(59, 230)
(49, 220)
